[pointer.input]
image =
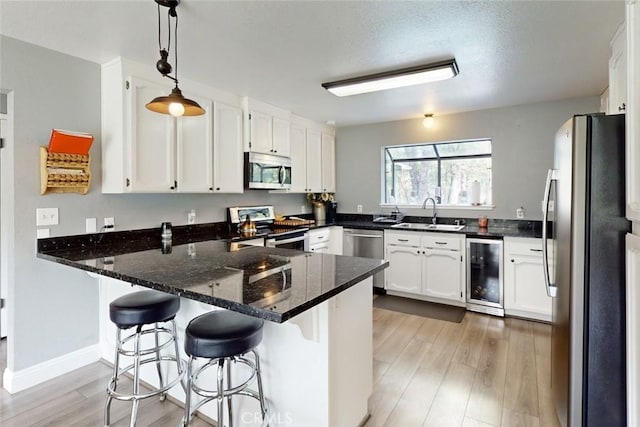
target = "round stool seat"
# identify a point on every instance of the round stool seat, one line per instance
(144, 307)
(222, 334)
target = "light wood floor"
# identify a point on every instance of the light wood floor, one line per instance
(484, 371)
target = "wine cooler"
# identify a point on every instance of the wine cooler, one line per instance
(485, 290)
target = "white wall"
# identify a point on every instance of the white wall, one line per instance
(522, 152)
(55, 307)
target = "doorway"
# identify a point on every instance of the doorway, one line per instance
(5, 135)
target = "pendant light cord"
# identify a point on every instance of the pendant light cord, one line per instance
(175, 50)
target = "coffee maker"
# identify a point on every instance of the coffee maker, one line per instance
(332, 212)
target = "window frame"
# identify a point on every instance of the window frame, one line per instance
(438, 159)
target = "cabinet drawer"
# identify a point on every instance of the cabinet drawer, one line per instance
(402, 239)
(442, 241)
(523, 246)
(318, 236)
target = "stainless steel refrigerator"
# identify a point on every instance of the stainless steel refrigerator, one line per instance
(584, 224)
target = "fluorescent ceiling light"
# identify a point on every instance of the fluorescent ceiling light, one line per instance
(392, 79)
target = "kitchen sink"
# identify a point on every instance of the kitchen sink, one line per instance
(428, 227)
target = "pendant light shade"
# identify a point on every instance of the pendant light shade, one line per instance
(175, 103)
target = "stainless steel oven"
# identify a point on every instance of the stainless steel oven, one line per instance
(294, 239)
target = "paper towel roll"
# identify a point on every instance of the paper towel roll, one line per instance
(474, 193)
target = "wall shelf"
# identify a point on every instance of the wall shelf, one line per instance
(64, 173)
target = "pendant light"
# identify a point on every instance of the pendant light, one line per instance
(174, 103)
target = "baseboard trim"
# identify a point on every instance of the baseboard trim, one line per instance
(21, 380)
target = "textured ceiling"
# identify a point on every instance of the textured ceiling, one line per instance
(508, 52)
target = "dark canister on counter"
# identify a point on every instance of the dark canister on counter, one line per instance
(332, 211)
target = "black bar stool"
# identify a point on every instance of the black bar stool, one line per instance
(223, 337)
(137, 310)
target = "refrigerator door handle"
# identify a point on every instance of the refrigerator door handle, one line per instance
(551, 288)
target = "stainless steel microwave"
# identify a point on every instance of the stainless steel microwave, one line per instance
(267, 172)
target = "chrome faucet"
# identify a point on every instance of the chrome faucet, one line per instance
(435, 213)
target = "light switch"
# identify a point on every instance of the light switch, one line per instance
(90, 225)
(46, 216)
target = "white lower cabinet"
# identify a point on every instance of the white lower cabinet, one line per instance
(525, 293)
(429, 265)
(325, 240)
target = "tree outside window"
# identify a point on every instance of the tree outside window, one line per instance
(445, 171)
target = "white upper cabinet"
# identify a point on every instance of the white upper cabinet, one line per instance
(281, 137)
(328, 163)
(261, 131)
(312, 157)
(194, 151)
(150, 159)
(267, 129)
(228, 176)
(618, 73)
(298, 158)
(314, 161)
(147, 152)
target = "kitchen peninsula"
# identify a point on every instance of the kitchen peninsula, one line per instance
(317, 346)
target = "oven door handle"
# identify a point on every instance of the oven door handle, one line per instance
(285, 241)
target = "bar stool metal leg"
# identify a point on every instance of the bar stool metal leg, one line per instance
(158, 365)
(229, 402)
(136, 377)
(114, 379)
(220, 391)
(187, 400)
(263, 406)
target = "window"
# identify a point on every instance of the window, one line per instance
(446, 171)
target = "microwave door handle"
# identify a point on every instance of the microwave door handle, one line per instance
(281, 175)
(552, 289)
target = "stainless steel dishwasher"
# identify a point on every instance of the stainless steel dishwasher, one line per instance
(366, 244)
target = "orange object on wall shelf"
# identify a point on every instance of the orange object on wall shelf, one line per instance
(66, 141)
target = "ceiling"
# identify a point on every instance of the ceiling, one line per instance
(508, 52)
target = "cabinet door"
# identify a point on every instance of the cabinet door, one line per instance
(281, 137)
(328, 163)
(298, 159)
(314, 162)
(618, 73)
(152, 142)
(194, 146)
(228, 158)
(261, 132)
(404, 269)
(524, 288)
(443, 274)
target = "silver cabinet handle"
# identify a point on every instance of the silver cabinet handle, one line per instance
(535, 250)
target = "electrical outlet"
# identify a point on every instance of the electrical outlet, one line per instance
(359, 208)
(520, 213)
(109, 224)
(303, 209)
(191, 217)
(42, 233)
(90, 225)
(46, 216)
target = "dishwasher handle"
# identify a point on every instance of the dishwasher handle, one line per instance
(368, 236)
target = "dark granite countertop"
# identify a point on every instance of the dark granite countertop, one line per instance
(224, 273)
(497, 228)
